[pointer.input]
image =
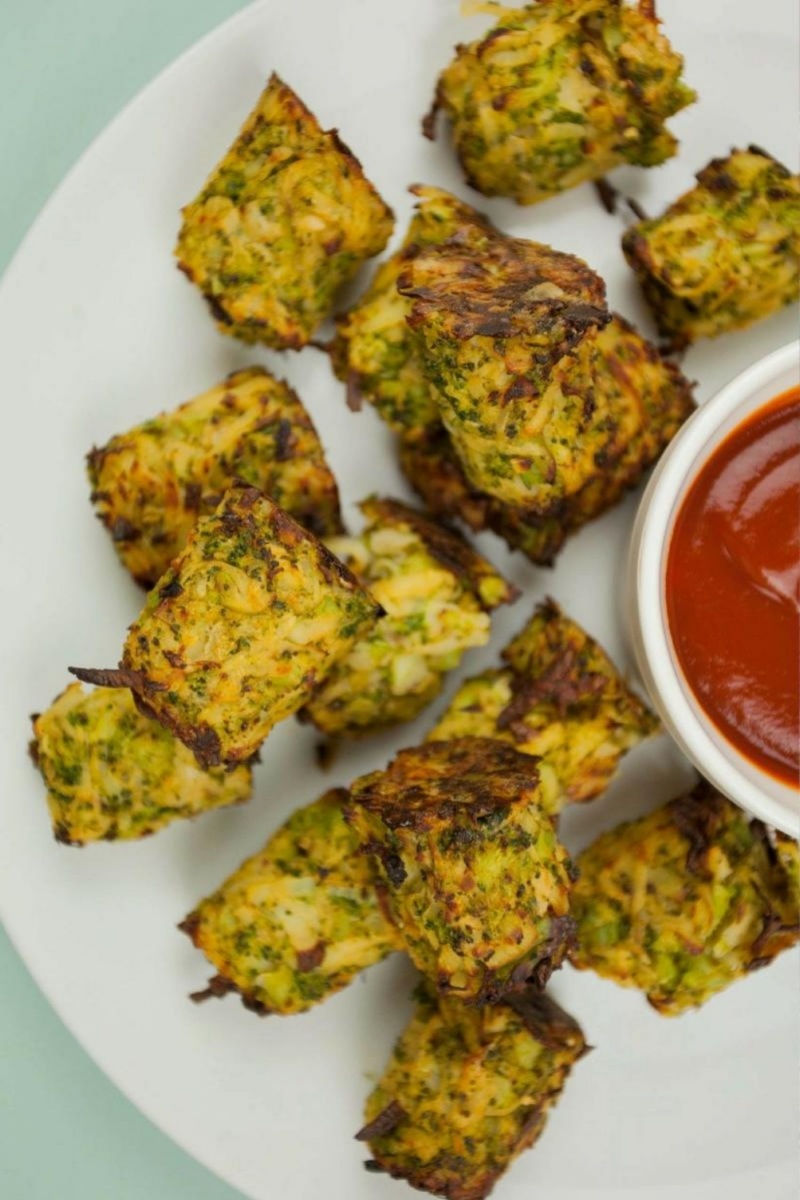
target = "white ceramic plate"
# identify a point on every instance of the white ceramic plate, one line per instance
(98, 330)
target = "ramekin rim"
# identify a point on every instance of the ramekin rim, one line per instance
(649, 547)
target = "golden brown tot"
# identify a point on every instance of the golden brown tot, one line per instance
(285, 220)
(477, 881)
(684, 902)
(726, 253)
(236, 635)
(641, 400)
(560, 699)
(299, 920)
(468, 1089)
(507, 332)
(151, 484)
(436, 593)
(114, 774)
(560, 92)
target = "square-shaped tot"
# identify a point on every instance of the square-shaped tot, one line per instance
(285, 220)
(560, 92)
(151, 484)
(562, 700)
(726, 253)
(685, 901)
(477, 880)
(640, 401)
(468, 1089)
(507, 330)
(113, 774)
(374, 351)
(298, 921)
(237, 634)
(436, 593)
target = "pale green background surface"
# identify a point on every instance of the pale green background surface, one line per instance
(66, 68)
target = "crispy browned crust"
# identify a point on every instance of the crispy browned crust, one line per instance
(637, 251)
(290, 533)
(563, 938)
(190, 926)
(111, 677)
(384, 1123)
(716, 179)
(422, 1181)
(698, 815)
(201, 739)
(294, 105)
(607, 194)
(547, 1020)
(416, 788)
(428, 123)
(310, 959)
(426, 788)
(777, 933)
(776, 936)
(354, 396)
(562, 684)
(446, 546)
(61, 835)
(499, 295)
(687, 307)
(218, 987)
(33, 745)
(341, 879)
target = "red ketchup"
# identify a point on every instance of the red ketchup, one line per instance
(733, 587)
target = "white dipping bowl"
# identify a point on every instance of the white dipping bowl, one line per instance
(775, 802)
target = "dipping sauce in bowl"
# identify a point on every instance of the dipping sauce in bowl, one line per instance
(733, 587)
